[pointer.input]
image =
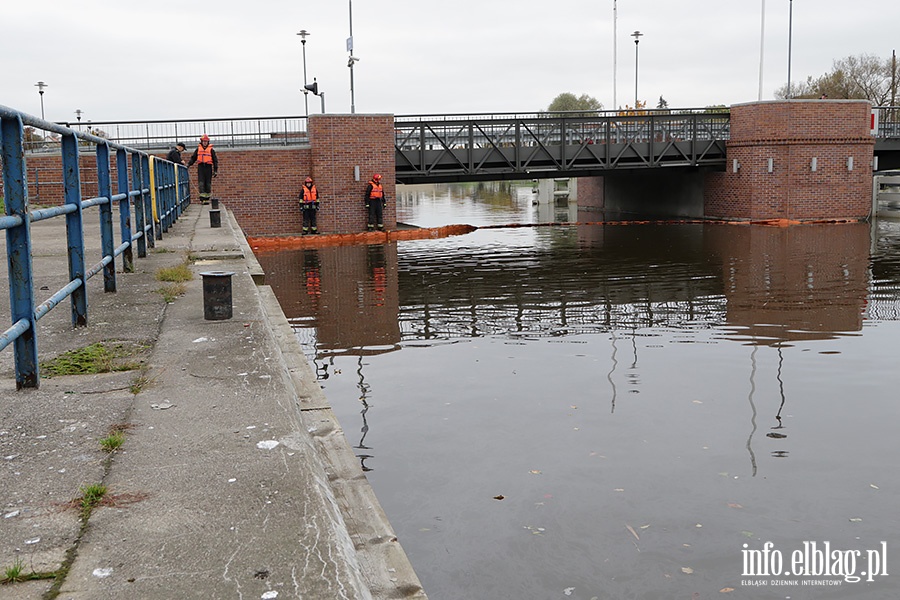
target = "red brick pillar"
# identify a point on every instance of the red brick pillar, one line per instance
(801, 160)
(340, 144)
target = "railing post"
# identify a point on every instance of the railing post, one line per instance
(125, 210)
(18, 251)
(148, 227)
(517, 147)
(107, 239)
(470, 154)
(139, 234)
(74, 227)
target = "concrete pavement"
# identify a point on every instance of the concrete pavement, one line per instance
(234, 480)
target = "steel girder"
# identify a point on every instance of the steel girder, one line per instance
(440, 149)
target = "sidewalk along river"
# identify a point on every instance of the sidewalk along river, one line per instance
(643, 411)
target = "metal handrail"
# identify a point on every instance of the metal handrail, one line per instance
(136, 222)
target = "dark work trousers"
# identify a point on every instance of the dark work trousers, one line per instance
(309, 219)
(204, 180)
(376, 214)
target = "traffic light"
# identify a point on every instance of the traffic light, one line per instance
(313, 87)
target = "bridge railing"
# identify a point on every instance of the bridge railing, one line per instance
(435, 147)
(888, 119)
(137, 217)
(232, 132)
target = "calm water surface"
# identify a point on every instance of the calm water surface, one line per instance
(614, 412)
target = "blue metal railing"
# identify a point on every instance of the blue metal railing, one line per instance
(134, 191)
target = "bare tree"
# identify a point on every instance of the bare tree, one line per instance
(864, 76)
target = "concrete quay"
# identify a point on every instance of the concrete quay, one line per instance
(234, 479)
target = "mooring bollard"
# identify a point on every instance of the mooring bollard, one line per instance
(217, 295)
(215, 218)
(214, 203)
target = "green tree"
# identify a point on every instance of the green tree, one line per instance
(568, 102)
(662, 104)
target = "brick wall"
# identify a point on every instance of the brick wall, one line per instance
(339, 144)
(261, 185)
(792, 133)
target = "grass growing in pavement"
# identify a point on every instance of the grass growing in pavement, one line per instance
(91, 495)
(176, 274)
(101, 357)
(16, 573)
(171, 291)
(113, 441)
(141, 382)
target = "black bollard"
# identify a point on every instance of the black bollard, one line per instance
(215, 203)
(216, 295)
(215, 218)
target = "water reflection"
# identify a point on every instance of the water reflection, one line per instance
(593, 376)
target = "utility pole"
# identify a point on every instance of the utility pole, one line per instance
(893, 77)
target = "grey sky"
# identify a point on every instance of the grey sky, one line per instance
(124, 60)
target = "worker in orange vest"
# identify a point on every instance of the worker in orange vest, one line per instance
(207, 167)
(309, 205)
(375, 201)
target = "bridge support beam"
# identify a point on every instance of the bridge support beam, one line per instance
(801, 160)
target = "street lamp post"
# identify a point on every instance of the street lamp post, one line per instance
(762, 44)
(351, 61)
(40, 85)
(303, 33)
(790, 93)
(615, 61)
(637, 38)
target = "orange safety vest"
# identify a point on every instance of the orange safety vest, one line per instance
(310, 194)
(204, 155)
(377, 191)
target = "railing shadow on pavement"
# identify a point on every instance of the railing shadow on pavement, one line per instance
(149, 201)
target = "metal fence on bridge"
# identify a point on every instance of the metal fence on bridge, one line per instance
(239, 132)
(516, 146)
(148, 202)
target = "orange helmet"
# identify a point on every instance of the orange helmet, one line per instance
(376, 177)
(204, 138)
(309, 180)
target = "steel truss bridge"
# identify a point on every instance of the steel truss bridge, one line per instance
(490, 147)
(433, 148)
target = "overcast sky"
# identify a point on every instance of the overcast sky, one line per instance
(130, 60)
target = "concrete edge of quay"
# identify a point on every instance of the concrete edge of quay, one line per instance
(235, 479)
(385, 566)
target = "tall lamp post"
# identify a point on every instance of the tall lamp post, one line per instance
(790, 93)
(303, 33)
(40, 85)
(615, 61)
(351, 60)
(762, 43)
(637, 38)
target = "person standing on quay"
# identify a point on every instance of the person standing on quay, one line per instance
(207, 167)
(309, 205)
(174, 154)
(375, 201)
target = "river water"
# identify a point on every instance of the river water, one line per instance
(617, 411)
